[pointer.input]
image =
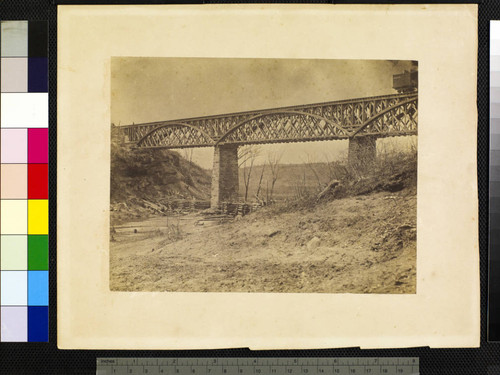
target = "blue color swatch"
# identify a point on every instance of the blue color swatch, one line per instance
(37, 74)
(38, 323)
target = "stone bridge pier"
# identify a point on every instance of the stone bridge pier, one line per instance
(362, 151)
(225, 180)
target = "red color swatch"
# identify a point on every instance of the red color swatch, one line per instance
(38, 143)
(38, 181)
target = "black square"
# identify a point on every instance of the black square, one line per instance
(37, 39)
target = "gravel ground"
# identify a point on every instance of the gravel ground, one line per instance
(364, 244)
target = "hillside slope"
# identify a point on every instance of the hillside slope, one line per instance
(145, 180)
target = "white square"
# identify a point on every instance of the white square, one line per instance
(14, 216)
(494, 30)
(14, 38)
(14, 74)
(25, 110)
(14, 288)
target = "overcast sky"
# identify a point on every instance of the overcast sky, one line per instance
(156, 89)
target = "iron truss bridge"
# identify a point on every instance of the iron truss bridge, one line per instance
(380, 116)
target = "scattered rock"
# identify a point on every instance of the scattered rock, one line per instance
(313, 243)
(406, 226)
(331, 185)
(119, 206)
(273, 233)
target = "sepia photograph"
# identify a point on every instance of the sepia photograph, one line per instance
(263, 175)
(228, 172)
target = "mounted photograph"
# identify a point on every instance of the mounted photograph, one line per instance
(263, 175)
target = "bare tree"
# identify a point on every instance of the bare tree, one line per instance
(337, 170)
(310, 164)
(267, 191)
(187, 153)
(273, 160)
(247, 155)
(260, 182)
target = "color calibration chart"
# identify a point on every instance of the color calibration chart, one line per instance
(24, 205)
(494, 194)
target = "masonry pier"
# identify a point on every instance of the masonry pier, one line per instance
(225, 182)
(362, 151)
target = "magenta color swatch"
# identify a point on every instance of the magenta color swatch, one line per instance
(38, 142)
(14, 146)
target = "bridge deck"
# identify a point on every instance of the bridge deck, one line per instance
(381, 116)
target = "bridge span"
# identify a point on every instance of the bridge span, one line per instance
(361, 121)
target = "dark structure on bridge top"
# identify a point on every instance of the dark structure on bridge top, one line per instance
(361, 121)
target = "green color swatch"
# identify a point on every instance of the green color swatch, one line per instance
(38, 252)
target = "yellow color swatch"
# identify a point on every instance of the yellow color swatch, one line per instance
(38, 216)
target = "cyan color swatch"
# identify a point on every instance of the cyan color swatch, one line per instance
(38, 288)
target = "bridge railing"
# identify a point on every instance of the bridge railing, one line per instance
(387, 115)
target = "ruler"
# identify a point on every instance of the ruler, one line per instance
(259, 366)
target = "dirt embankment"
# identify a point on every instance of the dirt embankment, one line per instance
(144, 181)
(361, 244)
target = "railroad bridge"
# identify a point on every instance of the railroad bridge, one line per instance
(361, 121)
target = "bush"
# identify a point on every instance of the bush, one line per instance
(391, 171)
